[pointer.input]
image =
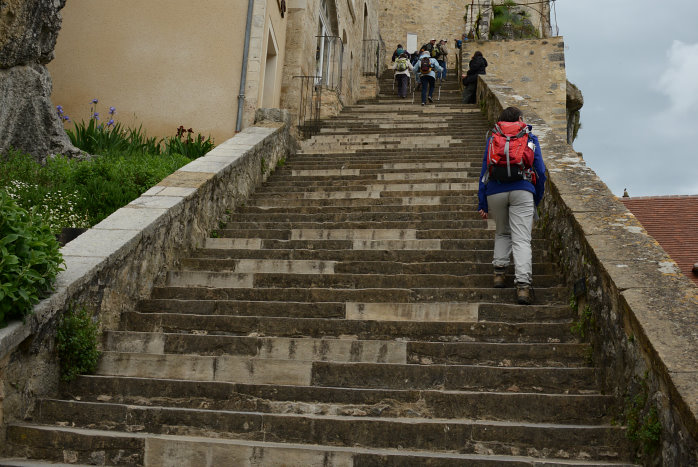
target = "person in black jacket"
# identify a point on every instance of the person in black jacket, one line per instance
(477, 66)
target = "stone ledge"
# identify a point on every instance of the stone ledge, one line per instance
(637, 288)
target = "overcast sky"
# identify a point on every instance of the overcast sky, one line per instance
(636, 63)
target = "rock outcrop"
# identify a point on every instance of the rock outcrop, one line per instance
(575, 102)
(28, 120)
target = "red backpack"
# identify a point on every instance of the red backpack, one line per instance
(425, 66)
(510, 153)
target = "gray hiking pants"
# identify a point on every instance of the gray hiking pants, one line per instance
(513, 213)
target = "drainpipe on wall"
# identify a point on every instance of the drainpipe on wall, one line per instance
(243, 77)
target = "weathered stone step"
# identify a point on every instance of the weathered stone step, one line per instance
(404, 256)
(50, 442)
(350, 193)
(345, 216)
(374, 432)
(428, 244)
(347, 267)
(366, 311)
(213, 395)
(350, 350)
(24, 462)
(335, 280)
(549, 295)
(468, 210)
(362, 201)
(455, 331)
(327, 231)
(472, 225)
(281, 348)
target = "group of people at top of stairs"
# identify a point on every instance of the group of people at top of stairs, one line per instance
(428, 65)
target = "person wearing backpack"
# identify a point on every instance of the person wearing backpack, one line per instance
(512, 183)
(477, 66)
(403, 68)
(426, 69)
(398, 52)
(441, 56)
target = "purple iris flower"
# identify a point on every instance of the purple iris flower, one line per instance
(96, 116)
(112, 110)
(94, 101)
(66, 118)
(59, 108)
(110, 122)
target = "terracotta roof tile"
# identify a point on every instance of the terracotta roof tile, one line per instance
(673, 222)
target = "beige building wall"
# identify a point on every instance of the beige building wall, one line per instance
(165, 64)
(351, 21)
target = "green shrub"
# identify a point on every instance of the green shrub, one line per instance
(76, 344)
(29, 259)
(73, 193)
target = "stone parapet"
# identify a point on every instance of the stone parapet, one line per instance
(116, 263)
(535, 68)
(644, 312)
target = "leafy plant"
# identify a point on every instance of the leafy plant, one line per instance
(184, 143)
(76, 344)
(29, 259)
(586, 320)
(642, 419)
(508, 20)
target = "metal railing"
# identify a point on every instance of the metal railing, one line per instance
(330, 57)
(310, 105)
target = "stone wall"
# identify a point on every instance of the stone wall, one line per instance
(112, 266)
(351, 20)
(643, 321)
(446, 19)
(534, 68)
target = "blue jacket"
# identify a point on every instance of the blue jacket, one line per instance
(493, 187)
(434, 66)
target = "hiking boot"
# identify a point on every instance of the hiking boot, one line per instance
(524, 294)
(424, 103)
(430, 100)
(498, 282)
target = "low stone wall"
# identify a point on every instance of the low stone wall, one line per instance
(643, 320)
(112, 266)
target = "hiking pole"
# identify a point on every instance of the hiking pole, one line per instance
(438, 99)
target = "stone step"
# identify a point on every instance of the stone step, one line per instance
(326, 231)
(346, 349)
(347, 267)
(548, 295)
(282, 371)
(363, 201)
(424, 244)
(468, 210)
(588, 409)
(371, 432)
(52, 442)
(334, 280)
(420, 312)
(347, 216)
(483, 256)
(367, 329)
(471, 225)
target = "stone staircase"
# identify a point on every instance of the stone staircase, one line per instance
(345, 316)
